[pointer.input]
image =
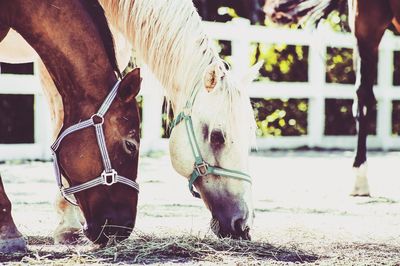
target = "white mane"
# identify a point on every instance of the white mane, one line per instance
(172, 42)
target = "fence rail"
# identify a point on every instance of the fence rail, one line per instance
(241, 35)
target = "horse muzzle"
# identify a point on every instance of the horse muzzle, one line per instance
(235, 226)
(109, 229)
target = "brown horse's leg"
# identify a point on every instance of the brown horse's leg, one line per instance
(11, 239)
(371, 18)
(68, 230)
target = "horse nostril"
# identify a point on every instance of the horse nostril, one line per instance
(241, 229)
(217, 137)
(239, 225)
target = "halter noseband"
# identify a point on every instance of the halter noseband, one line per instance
(109, 176)
(201, 167)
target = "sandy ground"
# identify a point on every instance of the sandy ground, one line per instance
(301, 201)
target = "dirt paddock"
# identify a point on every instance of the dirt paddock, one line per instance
(303, 215)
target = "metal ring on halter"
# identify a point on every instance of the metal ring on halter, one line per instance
(93, 117)
(202, 169)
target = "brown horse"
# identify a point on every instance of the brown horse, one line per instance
(368, 21)
(74, 42)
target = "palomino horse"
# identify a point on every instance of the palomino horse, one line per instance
(214, 126)
(368, 21)
(98, 156)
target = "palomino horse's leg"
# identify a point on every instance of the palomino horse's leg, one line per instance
(11, 239)
(68, 230)
(370, 21)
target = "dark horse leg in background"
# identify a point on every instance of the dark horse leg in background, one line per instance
(369, 19)
(9, 234)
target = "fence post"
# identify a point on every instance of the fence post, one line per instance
(241, 47)
(384, 87)
(151, 113)
(42, 122)
(42, 126)
(316, 79)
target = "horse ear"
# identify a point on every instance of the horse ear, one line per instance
(252, 73)
(130, 85)
(212, 75)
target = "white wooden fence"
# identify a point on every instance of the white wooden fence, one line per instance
(28, 85)
(241, 35)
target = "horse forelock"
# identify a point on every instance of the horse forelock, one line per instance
(98, 16)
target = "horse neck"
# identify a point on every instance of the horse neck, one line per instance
(77, 62)
(170, 40)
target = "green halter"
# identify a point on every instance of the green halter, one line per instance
(201, 167)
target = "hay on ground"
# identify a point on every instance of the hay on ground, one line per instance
(149, 248)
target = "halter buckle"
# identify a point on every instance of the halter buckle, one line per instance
(109, 178)
(202, 168)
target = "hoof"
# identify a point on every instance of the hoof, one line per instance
(360, 194)
(68, 237)
(13, 245)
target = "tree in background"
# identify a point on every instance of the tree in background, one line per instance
(211, 10)
(288, 117)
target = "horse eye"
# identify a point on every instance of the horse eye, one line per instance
(130, 146)
(217, 137)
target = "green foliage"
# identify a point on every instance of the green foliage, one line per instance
(282, 62)
(225, 50)
(339, 118)
(396, 73)
(339, 66)
(338, 21)
(396, 118)
(167, 118)
(139, 100)
(277, 117)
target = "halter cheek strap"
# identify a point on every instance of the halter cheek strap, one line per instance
(201, 167)
(109, 176)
